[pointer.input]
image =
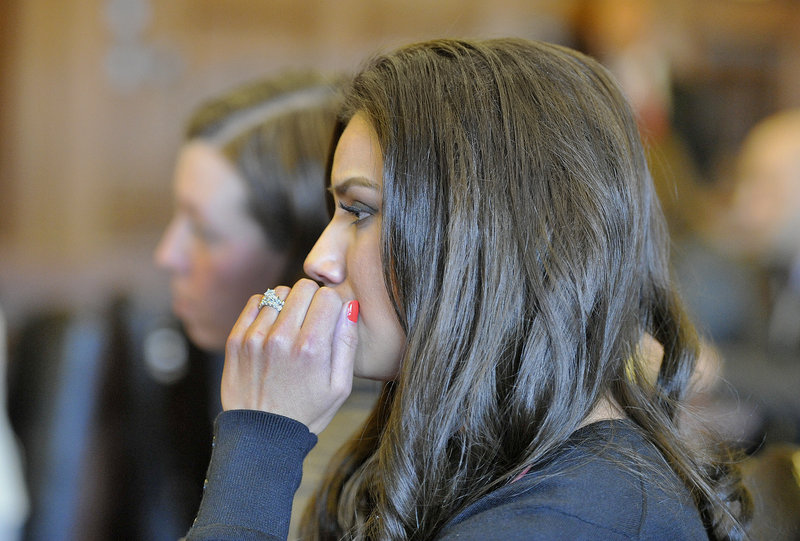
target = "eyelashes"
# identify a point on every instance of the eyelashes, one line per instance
(359, 211)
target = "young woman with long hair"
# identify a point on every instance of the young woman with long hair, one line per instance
(497, 256)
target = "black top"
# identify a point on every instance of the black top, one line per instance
(593, 488)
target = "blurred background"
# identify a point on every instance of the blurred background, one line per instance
(94, 95)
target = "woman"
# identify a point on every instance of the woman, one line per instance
(248, 208)
(497, 256)
(248, 203)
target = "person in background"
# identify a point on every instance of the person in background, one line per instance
(248, 201)
(757, 232)
(762, 227)
(113, 405)
(762, 361)
(249, 205)
(765, 218)
(497, 256)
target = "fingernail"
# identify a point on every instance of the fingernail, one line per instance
(352, 311)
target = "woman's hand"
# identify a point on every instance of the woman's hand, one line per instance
(297, 363)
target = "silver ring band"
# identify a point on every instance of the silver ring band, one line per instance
(272, 300)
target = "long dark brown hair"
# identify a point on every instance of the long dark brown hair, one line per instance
(527, 257)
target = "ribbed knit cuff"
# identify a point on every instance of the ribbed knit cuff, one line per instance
(256, 467)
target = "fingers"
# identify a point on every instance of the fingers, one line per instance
(263, 321)
(297, 303)
(247, 316)
(314, 337)
(245, 367)
(345, 341)
(335, 369)
(297, 362)
(253, 311)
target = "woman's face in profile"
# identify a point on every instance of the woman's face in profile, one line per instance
(216, 253)
(347, 255)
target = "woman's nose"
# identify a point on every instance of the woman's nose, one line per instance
(168, 254)
(325, 261)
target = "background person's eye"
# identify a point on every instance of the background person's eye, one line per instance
(203, 232)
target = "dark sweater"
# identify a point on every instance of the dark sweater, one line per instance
(588, 490)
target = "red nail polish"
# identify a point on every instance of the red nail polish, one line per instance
(352, 311)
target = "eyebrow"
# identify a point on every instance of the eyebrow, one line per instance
(341, 187)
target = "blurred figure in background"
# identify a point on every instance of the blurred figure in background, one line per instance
(765, 219)
(764, 227)
(249, 199)
(114, 406)
(250, 203)
(763, 362)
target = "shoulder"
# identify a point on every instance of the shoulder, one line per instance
(606, 483)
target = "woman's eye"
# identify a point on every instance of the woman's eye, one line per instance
(203, 233)
(360, 212)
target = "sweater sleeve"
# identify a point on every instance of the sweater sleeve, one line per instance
(256, 467)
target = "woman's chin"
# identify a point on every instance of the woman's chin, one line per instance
(203, 338)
